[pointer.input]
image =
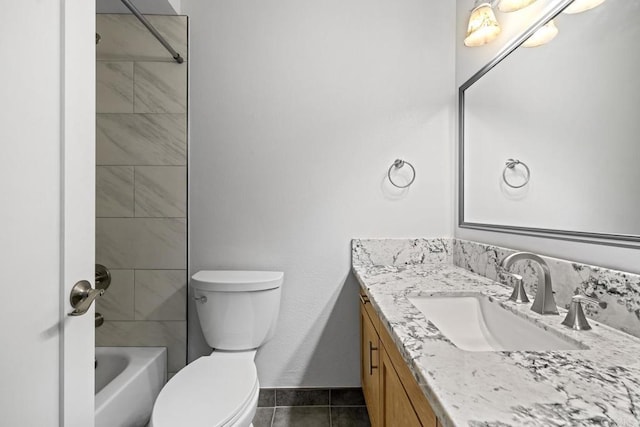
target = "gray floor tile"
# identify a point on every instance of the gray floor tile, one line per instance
(263, 417)
(347, 397)
(355, 416)
(302, 417)
(302, 397)
(267, 397)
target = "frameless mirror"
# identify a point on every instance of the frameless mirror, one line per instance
(550, 136)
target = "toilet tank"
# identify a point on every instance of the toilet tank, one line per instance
(237, 310)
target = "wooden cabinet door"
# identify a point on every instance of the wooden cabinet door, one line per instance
(395, 406)
(369, 368)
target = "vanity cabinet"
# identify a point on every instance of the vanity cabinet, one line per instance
(370, 351)
(392, 395)
(395, 406)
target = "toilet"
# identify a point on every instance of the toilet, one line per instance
(237, 311)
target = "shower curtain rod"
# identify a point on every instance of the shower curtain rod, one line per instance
(153, 31)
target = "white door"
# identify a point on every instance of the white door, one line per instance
(47, 138)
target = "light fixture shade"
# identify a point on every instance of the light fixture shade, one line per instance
(483, 26)
(513, 5)
(581, 5)
(542, 36)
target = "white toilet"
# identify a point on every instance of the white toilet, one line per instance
(238, 311)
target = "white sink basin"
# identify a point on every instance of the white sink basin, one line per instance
(474, 323)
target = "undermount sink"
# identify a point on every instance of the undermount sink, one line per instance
(475, 323)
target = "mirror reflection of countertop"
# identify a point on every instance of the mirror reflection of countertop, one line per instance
(596, 385)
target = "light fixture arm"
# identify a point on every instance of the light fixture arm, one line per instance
(492, 3)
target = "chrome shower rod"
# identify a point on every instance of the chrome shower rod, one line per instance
(153, 31)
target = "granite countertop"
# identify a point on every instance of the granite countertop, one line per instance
(598, 385)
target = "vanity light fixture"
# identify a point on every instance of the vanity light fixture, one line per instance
(581, 5)
(483, 26)
(513, 5)
(542, 36)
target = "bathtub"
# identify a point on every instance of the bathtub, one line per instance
(128, 380)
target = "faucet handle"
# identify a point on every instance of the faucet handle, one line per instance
(575, 317)
(519, 294)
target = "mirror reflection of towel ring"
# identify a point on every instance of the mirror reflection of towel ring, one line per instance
(398, 164)
(511, 164)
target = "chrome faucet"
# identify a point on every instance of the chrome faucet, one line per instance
(544, 302)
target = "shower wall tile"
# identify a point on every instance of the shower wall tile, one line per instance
(125, 38)
(160, 294)
(114, 191)
(141, 139)
(142, 333)
(114, 87)
(160, 191)
(141, 185)
(117, 301)
(160, 87)
(141, 243)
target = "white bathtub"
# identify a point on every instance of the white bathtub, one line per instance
(128, 380)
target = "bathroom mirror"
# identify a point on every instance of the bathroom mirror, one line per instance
(569, 112)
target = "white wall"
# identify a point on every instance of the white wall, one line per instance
(298, 109)
(468, 61)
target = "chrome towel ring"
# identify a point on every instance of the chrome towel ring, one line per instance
(510, 164)
(397, 165)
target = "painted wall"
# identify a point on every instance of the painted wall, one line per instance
(300, 109)
(141, 187)
(468, 61)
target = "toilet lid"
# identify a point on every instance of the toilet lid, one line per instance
(208, 392)
(236, 280)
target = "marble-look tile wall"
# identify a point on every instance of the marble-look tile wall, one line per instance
(620, 290)
(141, 183)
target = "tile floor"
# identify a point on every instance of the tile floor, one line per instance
(343, 407)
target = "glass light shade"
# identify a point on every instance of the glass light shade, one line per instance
(483, 26)
(581, 5)
(542, 36)
(513, 5)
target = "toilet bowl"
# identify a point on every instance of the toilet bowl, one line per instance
(216, 390)
(237, 311)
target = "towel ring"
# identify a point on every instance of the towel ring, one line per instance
(398, 164)
(510, 164)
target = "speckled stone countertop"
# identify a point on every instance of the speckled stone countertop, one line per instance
(598, 385)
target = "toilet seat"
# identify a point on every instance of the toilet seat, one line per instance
(216, 390)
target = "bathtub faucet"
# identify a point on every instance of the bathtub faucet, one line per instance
(99, 320)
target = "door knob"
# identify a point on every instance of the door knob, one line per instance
(82, 296)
